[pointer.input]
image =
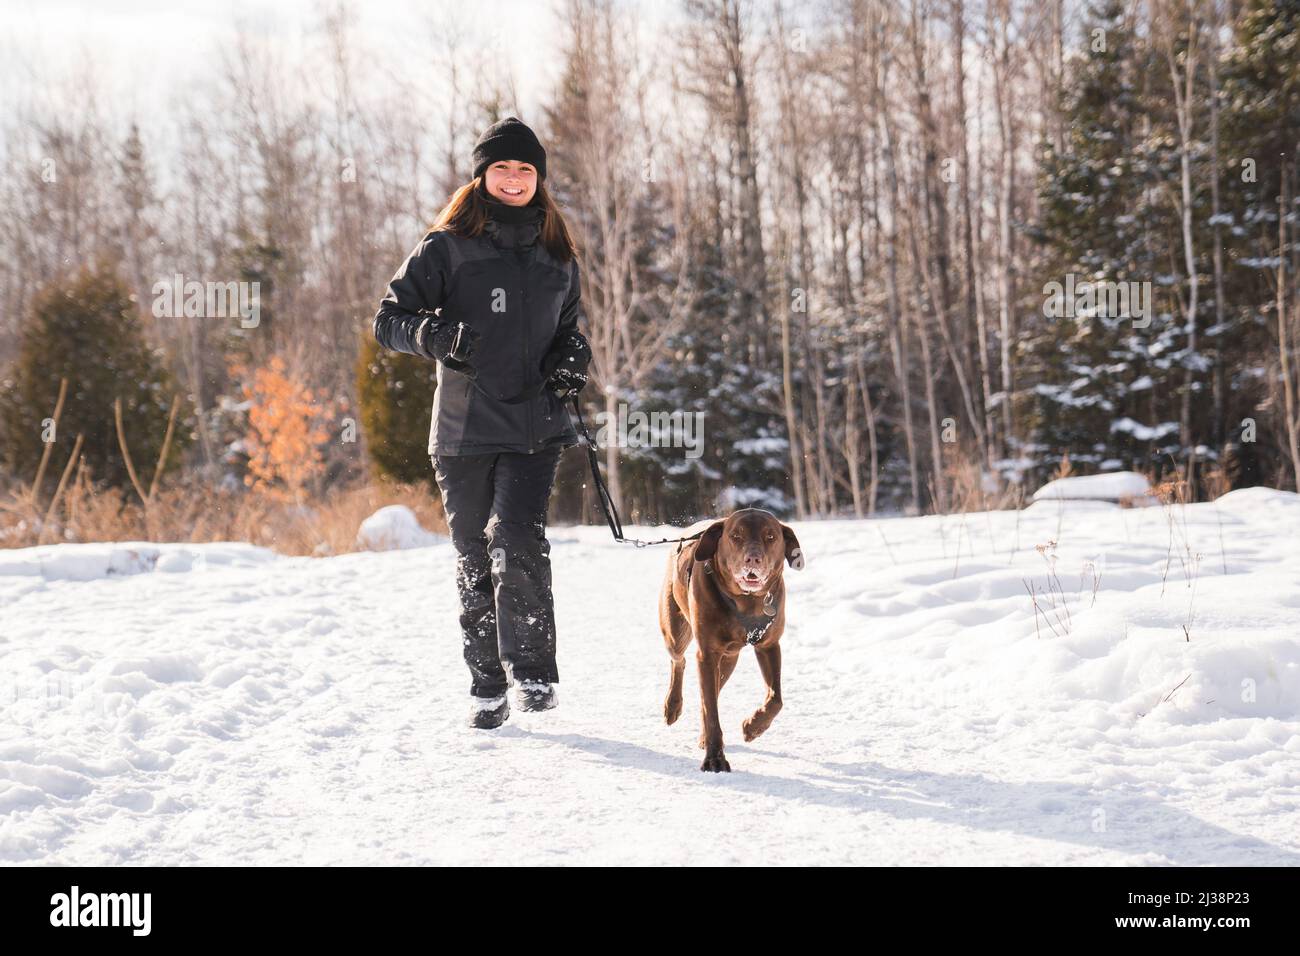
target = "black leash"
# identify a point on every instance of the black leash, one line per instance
(603, 496)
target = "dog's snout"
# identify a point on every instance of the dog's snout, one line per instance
(754, 557)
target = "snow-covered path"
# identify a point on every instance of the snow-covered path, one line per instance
(223, 705)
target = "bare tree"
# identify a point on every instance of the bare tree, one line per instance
(897, 333)
(1004, 72)
(614, 169)
(1183, 80)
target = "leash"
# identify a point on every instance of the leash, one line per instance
(603, 495)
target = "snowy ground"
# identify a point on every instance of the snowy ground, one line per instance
(218, 704)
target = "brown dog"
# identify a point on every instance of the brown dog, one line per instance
(725, 590)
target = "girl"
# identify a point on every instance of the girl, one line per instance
(492, 294)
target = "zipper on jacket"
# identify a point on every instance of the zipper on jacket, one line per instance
(523, 299)
(516, 261)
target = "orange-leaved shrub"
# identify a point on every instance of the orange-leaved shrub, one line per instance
(286, 427)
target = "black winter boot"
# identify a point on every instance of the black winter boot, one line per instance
(488, 713)
(536, 695)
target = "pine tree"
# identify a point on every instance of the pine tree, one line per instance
(136, 232)
(87, 329)
(1261, 119)
(1100, 386)
(745, 460)
(395, 391)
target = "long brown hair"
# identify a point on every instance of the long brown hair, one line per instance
(466, 213)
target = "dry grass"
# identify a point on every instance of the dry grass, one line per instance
(1216, 482)
(277, 514)
(196, 512)
(966, 476)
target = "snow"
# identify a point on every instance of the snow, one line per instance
(395, 528)
(1111, 486)
(1144, 432)
(256, 709)
(89, 562)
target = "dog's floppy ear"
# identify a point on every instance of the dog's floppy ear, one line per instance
(707, 546)
(793, 553)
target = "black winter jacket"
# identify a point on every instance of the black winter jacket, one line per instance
(508, 288)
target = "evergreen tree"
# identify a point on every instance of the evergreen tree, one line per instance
(1100, 387)
(395, 392)
(86, 329)
(1261, 120)
(137, 233)
(745, 450)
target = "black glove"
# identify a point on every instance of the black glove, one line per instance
(565, 365)
(449, 342)
(566, 381)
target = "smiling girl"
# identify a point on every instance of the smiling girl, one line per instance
(492, 294)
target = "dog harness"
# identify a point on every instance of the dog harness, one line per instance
(755, 625)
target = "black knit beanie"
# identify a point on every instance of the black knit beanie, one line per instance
(509, 139)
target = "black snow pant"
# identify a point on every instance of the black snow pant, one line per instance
(503, 567)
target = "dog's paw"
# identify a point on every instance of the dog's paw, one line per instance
(672, 710)
(754, 725)
(703, 742)
(716, 764)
